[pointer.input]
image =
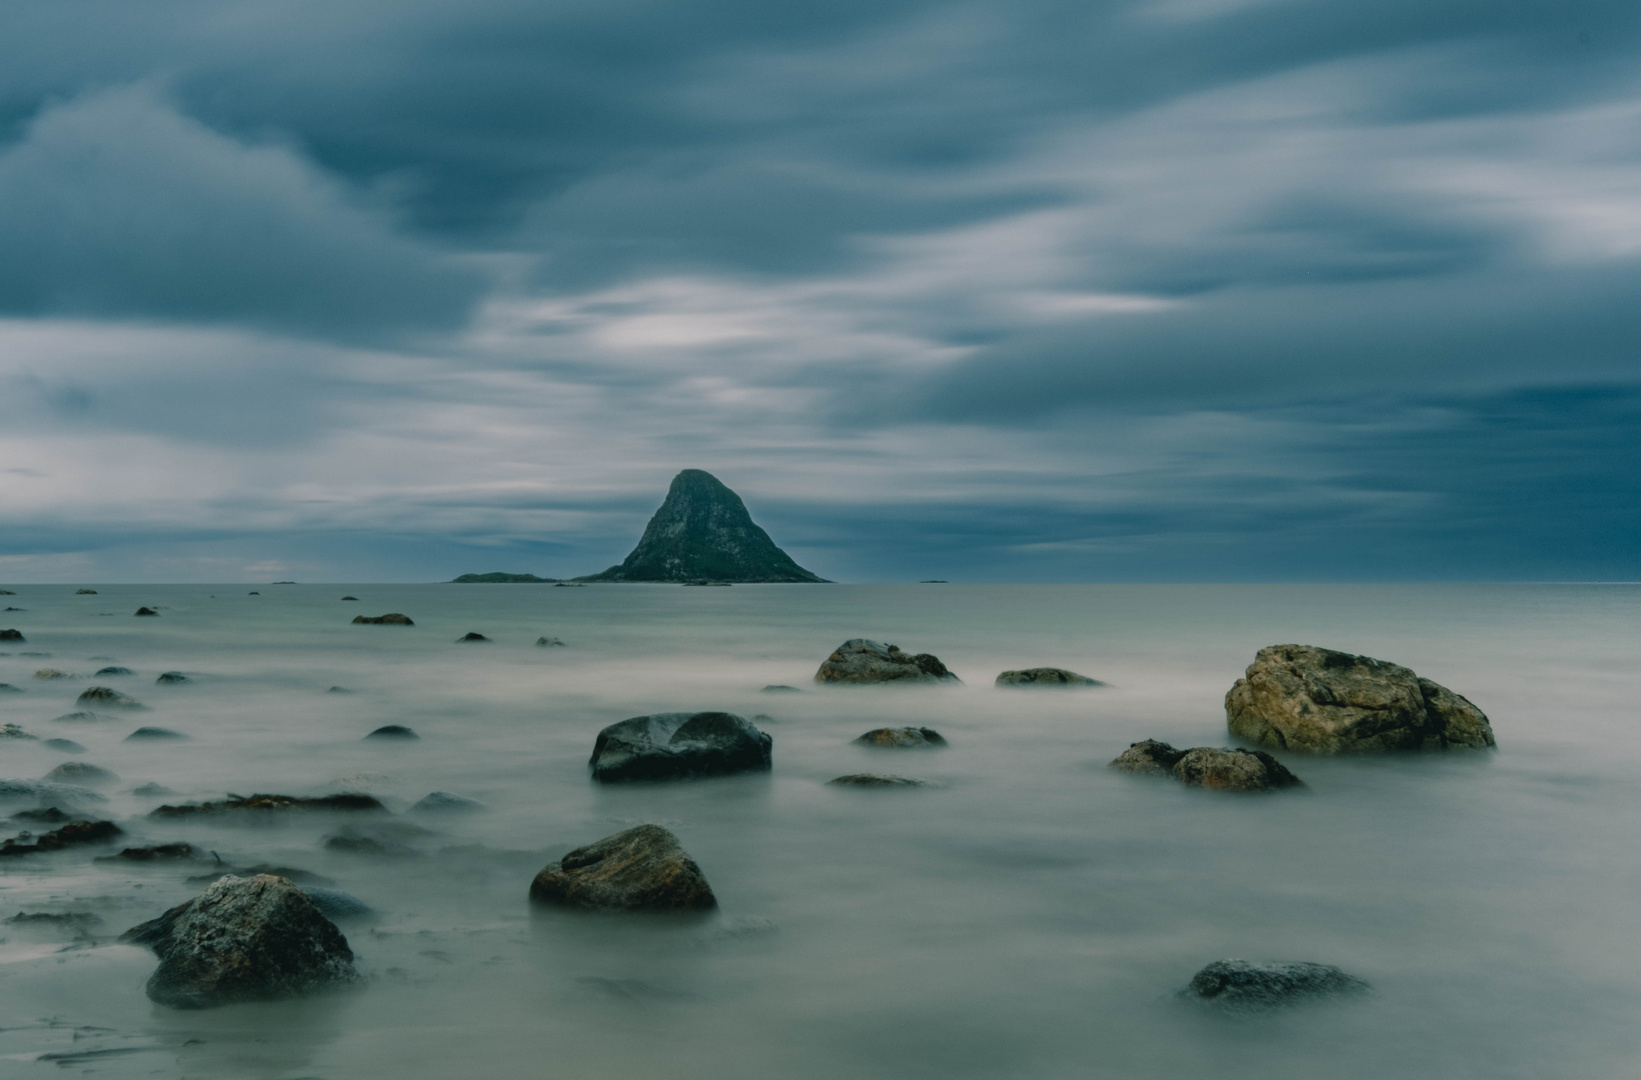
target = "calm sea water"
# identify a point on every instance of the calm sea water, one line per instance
(1030, 917)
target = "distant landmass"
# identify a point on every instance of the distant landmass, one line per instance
(498, 578)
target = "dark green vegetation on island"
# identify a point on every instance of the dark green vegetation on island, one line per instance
(499, 578)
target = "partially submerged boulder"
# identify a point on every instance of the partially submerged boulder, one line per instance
(115, 670)
(146, 611)
(51, 673)
(63, 746)
(1046, 677)
(902, 737)
(445, 802)
(14, 731)
(344, 801)
(394, 732)
(392, 618)
(172, 678)
(244, 939)
(877, 780)
(1213, 767)
(668, 745)
(109, 698)
(84, 716)
(1300, 697)
(70, 835)
(12, 635)
(550, 643)
(471, 635)
(157, 853)
(153, 734)
(639, 869)
(860, 660)
(80, 772)
(1253, 986)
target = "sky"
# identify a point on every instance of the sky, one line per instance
(1036, 290)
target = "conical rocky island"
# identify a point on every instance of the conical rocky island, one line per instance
(702, 532)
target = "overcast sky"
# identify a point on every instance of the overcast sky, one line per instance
(1008, 291)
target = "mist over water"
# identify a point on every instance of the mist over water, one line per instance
(1031, 916)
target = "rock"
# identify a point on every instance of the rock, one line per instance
(51, 673)
(1304, 698)
(350, 598)
(7, 688)
(12, 731)
(393, 731)
(301, 877)
(152, 790)
(668, 745)
(640, 869)
(63, 746)
(549, 643)
(390, 619)
(350, 801)
(81, 717)
(334, 904)
(902, 737)
(1252, 986)
(703, 532)
(12, 635)
(253, 593)
(85, 592)
(354, 844)
(7, 592)
(781, 688)
(1046, 676)
(109, 698)
(50, 813)
(1213, 767)
(338, 690)
(244, 939)
(146, 611)
(471, 635)
(47, 793)
(156, 853)
(116, 671)
(146, 734)
(443, 802)
(498, 577)
(73, 834)
(80, 772)
(871, 779)
(81, 922)
(860, 660)
(172, 678)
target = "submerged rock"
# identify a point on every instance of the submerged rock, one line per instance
(871, 779)
(334, 904)
(860, 660)
(109, 698)
(391, 619)
(156, 853)
(47, 793)
(393, 731)
(471, 635)
(146, 611)
(72, 834)
(115, 670)
(781, 688)
(902, 737)
(12, 731)
(81, 717)
(80, 772)
(668, 745)
(172, 678)
(7, 688)
(80, 922)
(640, 869)
(147, 734)
(244, 939)
(151, 789)
(444, 802)
(1300, 697)
(85, 592)
(338, 690)
(1046, 676)
(346, 801)
(49, 814)
(63, 746)
(350, 598)
(51, 673)
(12, 635)
(1214, 767)
(1249, 985)
(549, 643)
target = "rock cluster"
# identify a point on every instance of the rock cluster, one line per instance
(861, 660)
(1046, 677)
(640, 869)
(1300, 697)
(1214, 767)
(668, 745)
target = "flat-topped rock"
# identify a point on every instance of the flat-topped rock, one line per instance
(343, 801)
(639, 869)
(108, 698)
(1253, 986)
(670, 745)
(392, 618)
(861, 660)
(902, 737)
(1304, 698)
(244, 939)
(877, 780)
(1046, 677)
(1213, 767)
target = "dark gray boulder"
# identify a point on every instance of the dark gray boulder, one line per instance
(394, 732)
(899, 737)
(146, 611)
(861, 660)
(877, 780)
(12, 635)
(153, 734)
(1046, 677)
(116, 670)
(668, 745)
(172, 678)
(640, 869)
(1300, 697)
(63, 746)
(1216, 768)
(1253, 986)
(471, 635)
(80, 772)
(108, 698)
(392, 618)
(244, 939)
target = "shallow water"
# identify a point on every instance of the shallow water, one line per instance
(1032, 916)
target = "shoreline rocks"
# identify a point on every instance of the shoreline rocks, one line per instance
(471, 635)
(1305, 698)
(902, 737)
(1248, 985)
(638, 869)
(1213, 767)
(672, 745)
(1046, 677)
(861, 660)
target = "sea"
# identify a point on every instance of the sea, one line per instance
(1029, 913)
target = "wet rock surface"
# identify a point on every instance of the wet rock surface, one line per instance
(471, 635)
(902, 737)
(1045, 677)
(1300, 697)
(108, 698)
(1254, 986)
(146, 611)
(861, 660)
(156, 853)
(1216, 768)
(671, 745)
(639, 869)
(12, 635)
(345, 801)
(392, 618)
(877, 780)
(244, 939)
(334, 904)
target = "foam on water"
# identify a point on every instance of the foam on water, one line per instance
(1031, 915)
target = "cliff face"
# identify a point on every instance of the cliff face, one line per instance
(703, 532)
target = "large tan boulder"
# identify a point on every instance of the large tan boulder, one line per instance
(1300, 697)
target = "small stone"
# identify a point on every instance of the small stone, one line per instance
(144, 734)
(639, 869)
(85, 592)
(868, 779)
(172, 678)
(151, 790)
(549, 643)
(902, 737)
(116, 671)
(781, 688)
(12, 635)
(338, 690)
(51, 673)
(390, 619)
(80, 772)
(108, 697)
(63, 746)
(1246, 985)
(146, 611)
(1213, 767)
(393, 731)
(350, 598)
(1046, 677)
(158, 853)
(444, 802)
(471, 635)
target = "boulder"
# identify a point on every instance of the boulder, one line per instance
(50, 814)
(172, 678)
(85, 592)
(390, 619)
(13, 731)
(549, 643)
(12, 635)
(1046, 676)
(1300, 697)
(872, 779)
(109, 698)
(146, 611)
(51, 673)
(471, 635)
(860, 660)
(902, 737)
(82, 717)
(151, 790)
(444, 802)
(1212, 767)
(668, 745)
(80, 772)
(63, 746)
(393, 731)
(640, 869)
(70, 835)
(146, 734)
(1252, 986)
(116, 670)
(350, 598)
(45, 793)
(7, 688)
(244, 939)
